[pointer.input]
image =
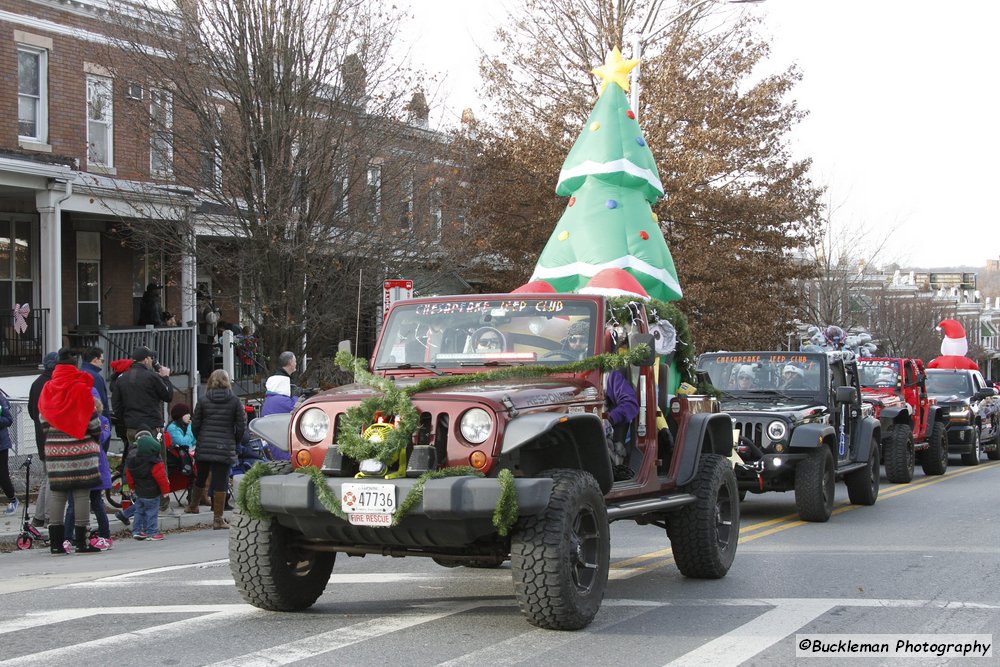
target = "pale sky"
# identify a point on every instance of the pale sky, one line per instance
(899, 130)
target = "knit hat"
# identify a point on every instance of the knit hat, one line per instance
(579, 328)
(791, 368)
(746, 371)
(147, 445)
(179, 410)
(49, 362)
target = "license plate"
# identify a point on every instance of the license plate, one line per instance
(368, 499)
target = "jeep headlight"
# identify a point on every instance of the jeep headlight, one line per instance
(776, 430)
(314, 425)
(476, 425)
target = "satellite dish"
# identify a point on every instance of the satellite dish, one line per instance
(664, 337)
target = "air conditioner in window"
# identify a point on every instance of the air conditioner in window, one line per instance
(134, 91)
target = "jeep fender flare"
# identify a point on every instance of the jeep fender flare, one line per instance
(868, 429)
(586, 430)
(811, 436)
(705, 433)
(936, 414)
(890, 417)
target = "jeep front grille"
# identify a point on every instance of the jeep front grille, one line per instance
(752, 431)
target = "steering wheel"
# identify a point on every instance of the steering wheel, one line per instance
(482, 331)
(560, 354)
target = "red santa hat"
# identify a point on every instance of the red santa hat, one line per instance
(955, 343)
(535, 287)
(615, 282)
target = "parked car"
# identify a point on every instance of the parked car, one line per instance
(973, 412)
(913, 425)
(546, 429)
(799, 433)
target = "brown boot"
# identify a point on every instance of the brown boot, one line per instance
(195, 493)
(218, 505)
(204, 499)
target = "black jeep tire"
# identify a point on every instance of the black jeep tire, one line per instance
(704, 535)
(560, 558)
(899, 455)
(271, 572)
(815, 486)
(971, 457)
(863, 484)
(934, 460)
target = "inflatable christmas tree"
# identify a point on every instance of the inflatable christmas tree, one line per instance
(611, 180)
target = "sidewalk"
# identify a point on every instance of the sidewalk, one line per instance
(173, 518)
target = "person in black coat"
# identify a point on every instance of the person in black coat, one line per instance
(218, 424)
(150, 310)
(138, 397)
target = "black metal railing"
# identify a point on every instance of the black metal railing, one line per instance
(22, 338)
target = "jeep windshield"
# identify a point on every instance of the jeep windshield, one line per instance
(470, 331)
(878, 373)
(785, 374)
(948, 384)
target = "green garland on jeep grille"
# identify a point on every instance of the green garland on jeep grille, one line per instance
(504, 516)
(395, 402)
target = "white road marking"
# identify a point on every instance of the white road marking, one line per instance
(338, 579)
(326, 642)
(62, 655)
(746, 641)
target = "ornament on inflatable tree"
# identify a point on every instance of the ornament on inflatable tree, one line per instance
(612, 181)
(954, 347)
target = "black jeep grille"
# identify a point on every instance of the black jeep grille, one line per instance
(752, 431)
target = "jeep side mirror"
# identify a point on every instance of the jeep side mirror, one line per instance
(847, 394)
(637, 339)
(985, 392)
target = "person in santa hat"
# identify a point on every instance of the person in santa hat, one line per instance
(954, 347)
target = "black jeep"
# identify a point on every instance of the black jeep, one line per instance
(800, 424)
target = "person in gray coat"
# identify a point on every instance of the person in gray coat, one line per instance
(218, 424)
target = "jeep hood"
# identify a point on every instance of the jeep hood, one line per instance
(883, 397)
(790, 412)
(523, 393)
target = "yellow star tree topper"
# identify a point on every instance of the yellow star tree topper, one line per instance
(614, 70)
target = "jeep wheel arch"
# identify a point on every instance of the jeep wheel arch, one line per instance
(811, 436)
(554, 440)
(705, 433)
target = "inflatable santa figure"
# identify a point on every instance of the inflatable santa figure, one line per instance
(954, 347)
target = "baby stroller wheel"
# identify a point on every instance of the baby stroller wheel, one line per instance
(24, 541)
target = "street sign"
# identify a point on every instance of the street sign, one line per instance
(395, 290)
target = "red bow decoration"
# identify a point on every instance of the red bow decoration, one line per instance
(20, 317)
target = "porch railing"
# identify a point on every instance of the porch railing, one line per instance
(173, 346)
(22, 338)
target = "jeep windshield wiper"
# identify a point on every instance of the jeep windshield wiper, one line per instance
(392, 367)
(492, 362)
(771, 392)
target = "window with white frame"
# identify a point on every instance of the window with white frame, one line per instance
(88, 278)
(339, 191)
(100, 117)
(211, 155)
(161, 132)
(32, 94)
(375, 190)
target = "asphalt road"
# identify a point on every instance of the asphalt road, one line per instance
(925, 560)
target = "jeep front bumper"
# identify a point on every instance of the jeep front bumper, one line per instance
(447, 498)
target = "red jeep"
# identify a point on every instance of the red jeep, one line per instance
(913, 425)
(542, 431)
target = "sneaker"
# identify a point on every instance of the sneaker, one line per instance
(139, 536)
(121, 517)
(68, 547)
(11, 506)
(100, 543)
(155, 538)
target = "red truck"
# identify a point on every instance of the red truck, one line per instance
(913, 425)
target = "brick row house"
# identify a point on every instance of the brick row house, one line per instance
(81, 170)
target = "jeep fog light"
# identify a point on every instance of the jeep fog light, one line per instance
(476, 425)
(314, 425)
(776, 430)
(776, 461)
(372, 468)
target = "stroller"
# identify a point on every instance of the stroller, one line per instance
(28, 533)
